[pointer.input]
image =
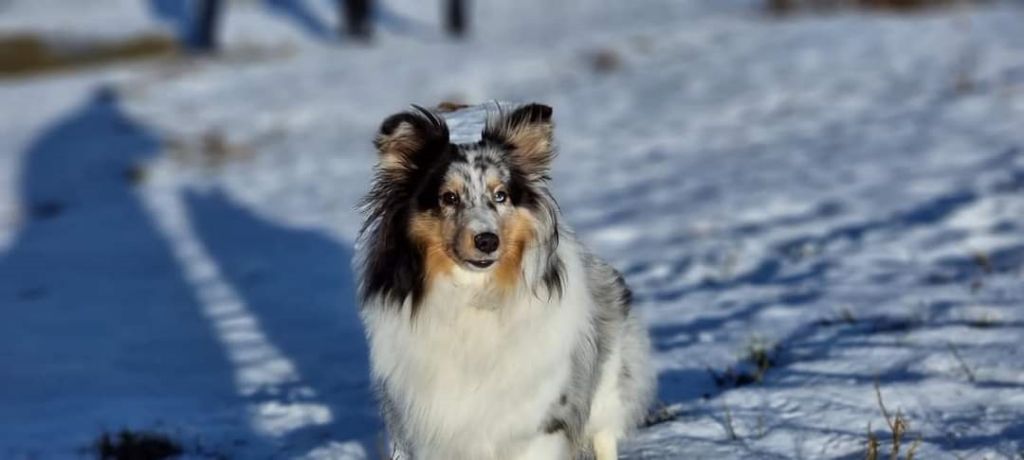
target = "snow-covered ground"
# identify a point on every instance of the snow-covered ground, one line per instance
(844, 193)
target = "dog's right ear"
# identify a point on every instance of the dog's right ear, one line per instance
(527, 132)
(405, 136)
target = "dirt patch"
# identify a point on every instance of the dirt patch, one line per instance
(26, 54)
(604, 61)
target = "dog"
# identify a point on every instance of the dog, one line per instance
(493, 333)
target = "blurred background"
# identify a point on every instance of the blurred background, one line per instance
(818, 204)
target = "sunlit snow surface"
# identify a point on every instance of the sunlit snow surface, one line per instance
(845, 190)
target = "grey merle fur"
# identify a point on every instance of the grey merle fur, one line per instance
(393, 267)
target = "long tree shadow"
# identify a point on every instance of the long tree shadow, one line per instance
(298, 12)
(181, 17)
(307, 19)
(98, 327)
(178, 15)
(299, 285)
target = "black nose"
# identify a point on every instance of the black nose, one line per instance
(486, 242)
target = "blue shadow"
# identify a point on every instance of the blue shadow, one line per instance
(299, 285)
(98, 327)
(391, 20)
(181, 16)
(299, 13)
(178, 14)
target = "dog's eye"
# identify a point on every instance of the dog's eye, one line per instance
(449, 199)
(500, 196)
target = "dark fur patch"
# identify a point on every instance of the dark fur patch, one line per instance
(520, 190)
(554, 276)
(554, 425)
(626, 299)
(531, 113)
(393, 266)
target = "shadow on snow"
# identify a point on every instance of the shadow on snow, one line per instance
(299, 285)
(100, 330)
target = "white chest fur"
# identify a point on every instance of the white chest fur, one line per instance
(474, 374)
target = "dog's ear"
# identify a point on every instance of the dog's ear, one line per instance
(527, 131)
(405, 136)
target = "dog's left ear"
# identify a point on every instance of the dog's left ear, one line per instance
(410, 138)
(527, 132)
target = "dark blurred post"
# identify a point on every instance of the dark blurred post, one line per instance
(207, 20)
(356, 17)
(455, 17)
(780, 6)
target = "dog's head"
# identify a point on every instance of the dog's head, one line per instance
(437, 207)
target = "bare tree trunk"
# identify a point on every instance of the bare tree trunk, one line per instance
(780, 6)
(355, 15)
(456, 17)
(207, 22)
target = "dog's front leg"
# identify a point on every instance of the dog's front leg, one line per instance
(546, 447)
(606, 446)
(397, 453)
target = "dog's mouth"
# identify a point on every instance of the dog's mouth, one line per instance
(480, 264)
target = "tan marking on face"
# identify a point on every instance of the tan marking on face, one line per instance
(426, 231)
(494, 184)
(517, 233)
(454, 185)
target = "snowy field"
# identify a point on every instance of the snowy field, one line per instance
(805, 207)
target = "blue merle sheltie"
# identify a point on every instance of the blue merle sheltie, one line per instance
(493, 333)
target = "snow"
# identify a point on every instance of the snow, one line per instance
(844, 191)
(92, 19)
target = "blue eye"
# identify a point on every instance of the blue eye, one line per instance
(500, 196)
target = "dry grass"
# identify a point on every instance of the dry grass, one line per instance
(136, 445)
(451, 106)
(898, 427)
(872, 448)
(985, 321)
(211, 150)
(661, 413)
(25, 54)
(759, 357)
(963, 364)
(983, 261)
(728, 425)
(844, 316)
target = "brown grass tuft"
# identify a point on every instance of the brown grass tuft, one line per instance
(898, 427)
(25, 54)
(451, 106)
(136, 445)
(872, 448)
